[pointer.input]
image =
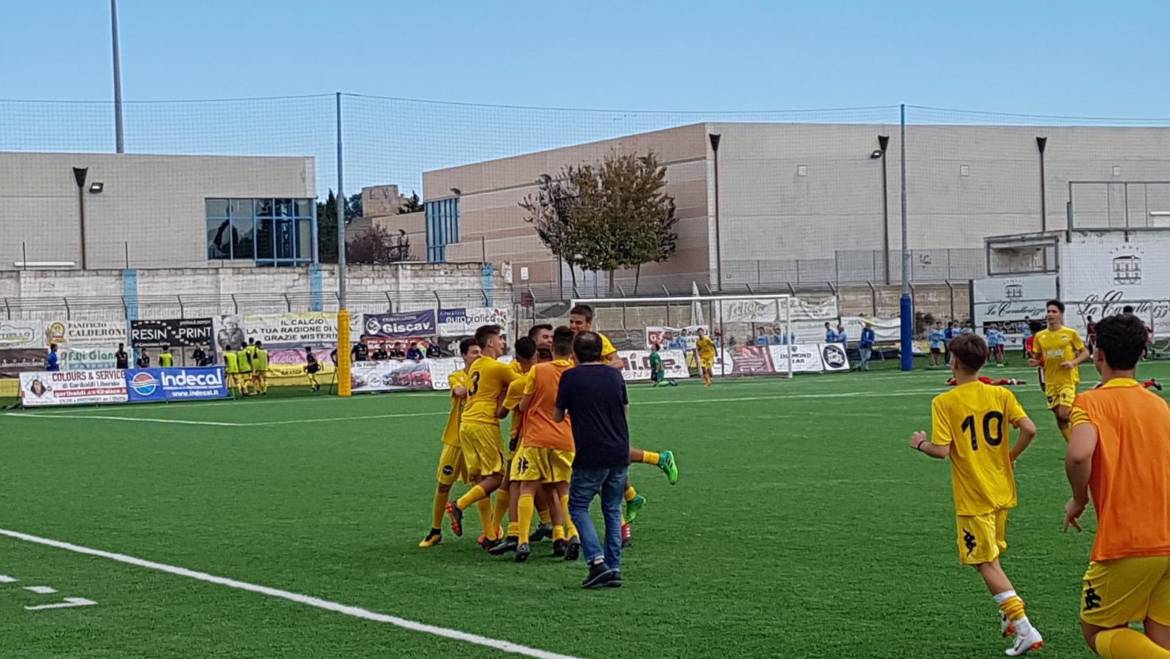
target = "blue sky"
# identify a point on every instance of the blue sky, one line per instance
(1073, 58)
(1084, 58)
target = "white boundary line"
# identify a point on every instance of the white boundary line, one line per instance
(109, 417)
(307, 600)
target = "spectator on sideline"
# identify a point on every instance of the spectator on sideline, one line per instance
(397, 351)
(51, 360)
(433, 351)
(360, 352)
(830, 335)
(762, 339)
(165, 358)
(938, 341)
(1090, 334)
(380, 353)
(778, 337)
(121, 359)
(198, 355)
(594, 396)
(143, 359)
(842, 335)
(414, 354)
(865, 345)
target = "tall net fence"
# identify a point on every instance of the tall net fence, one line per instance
(779, 200)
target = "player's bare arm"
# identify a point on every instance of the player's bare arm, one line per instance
(920, 442)
(524, 403)
(559, 415)
(1081, 357)
(1078, 466)
(1027, 433)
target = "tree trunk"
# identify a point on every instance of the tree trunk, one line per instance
(573, 275)
(637, 277)
(611, 286)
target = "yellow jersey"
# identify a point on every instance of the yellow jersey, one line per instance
(1056, 347)
(488, 381)
(607, 348)
(512, 401)
(975, 420)
(451, 432)
(706, 347)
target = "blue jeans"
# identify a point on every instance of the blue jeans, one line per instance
(866, 353)
(611, 484)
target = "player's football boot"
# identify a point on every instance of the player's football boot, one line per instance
(433, 538)
(559, 547)
(1153, 382)
(633, 507)
(1028, 639)
(509, 544)
(543, 531)
(488, 545)
(1006, 628)
(573, 550)
(627, 536)
(456, 516)
(523, 552)
(668, 466)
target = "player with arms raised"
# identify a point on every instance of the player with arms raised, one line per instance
(969, 425)
(1060, 351)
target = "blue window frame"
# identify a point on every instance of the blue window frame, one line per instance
(442, 220)
(267, 231)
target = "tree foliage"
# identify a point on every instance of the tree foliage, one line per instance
(412, 204)
(606, 217)
(377, 246)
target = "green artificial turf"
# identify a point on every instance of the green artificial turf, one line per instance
(802, 525)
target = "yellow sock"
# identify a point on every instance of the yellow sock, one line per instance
(1127, 643)
(1011, 605)
(439, 510)
(526, 507)
(503, 498)
(474, 495)
(649, 457)
(545, 516)
(630, 492)
(490, 530)
(558, 533)
(570, 528)
(513, 529)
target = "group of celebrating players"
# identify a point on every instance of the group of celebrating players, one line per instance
(1118, 452)
(529, 476)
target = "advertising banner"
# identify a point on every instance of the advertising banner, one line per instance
(750, 311)
(1007, 302)
(636, 364)
(167, 384)
(288, 329)
(42, 389)
(391, 375)
(749, 360)
(464, 322)
(834, 357)
(174, 332)
(672, 338)
(403, 325)
(806, 358)
(1106, 270)
(441, 369)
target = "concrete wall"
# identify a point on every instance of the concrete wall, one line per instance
(154, 205)
(197, 292)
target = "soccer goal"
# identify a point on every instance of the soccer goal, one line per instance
(754, 334)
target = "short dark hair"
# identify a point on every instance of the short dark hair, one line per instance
(485, 332)
(970, 350)
(1055, 303)
(1121, 340)
(525, 348)
(562, 341)
(259, 344)
(537, 329)
(587, 347)
(582, 310)
(465, 345)
(1127, 309)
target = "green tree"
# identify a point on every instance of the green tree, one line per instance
(327, 224)
(412, 205)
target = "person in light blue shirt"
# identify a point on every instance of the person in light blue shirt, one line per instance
(995, 342)
(938, 342)
(830, 335)
(762, 339)
(865, 345)
(842, 335)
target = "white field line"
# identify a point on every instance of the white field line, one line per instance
(307, 600)
(399, 415)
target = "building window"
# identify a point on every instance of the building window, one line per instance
(270, 232)
(442, 220)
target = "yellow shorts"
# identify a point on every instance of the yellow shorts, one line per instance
(707, 364)
(451, 465)
(1126, 590)
(542, 464)
(1060, 395)
(480, 443)
(981, 538)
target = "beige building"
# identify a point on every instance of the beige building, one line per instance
(155, 211)
(803, 203)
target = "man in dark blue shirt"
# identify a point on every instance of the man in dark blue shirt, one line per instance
(51, 363)
(593, 395)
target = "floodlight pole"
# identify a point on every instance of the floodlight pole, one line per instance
(119, 141)
(79, 175)
(883, 143)
(714, 138)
